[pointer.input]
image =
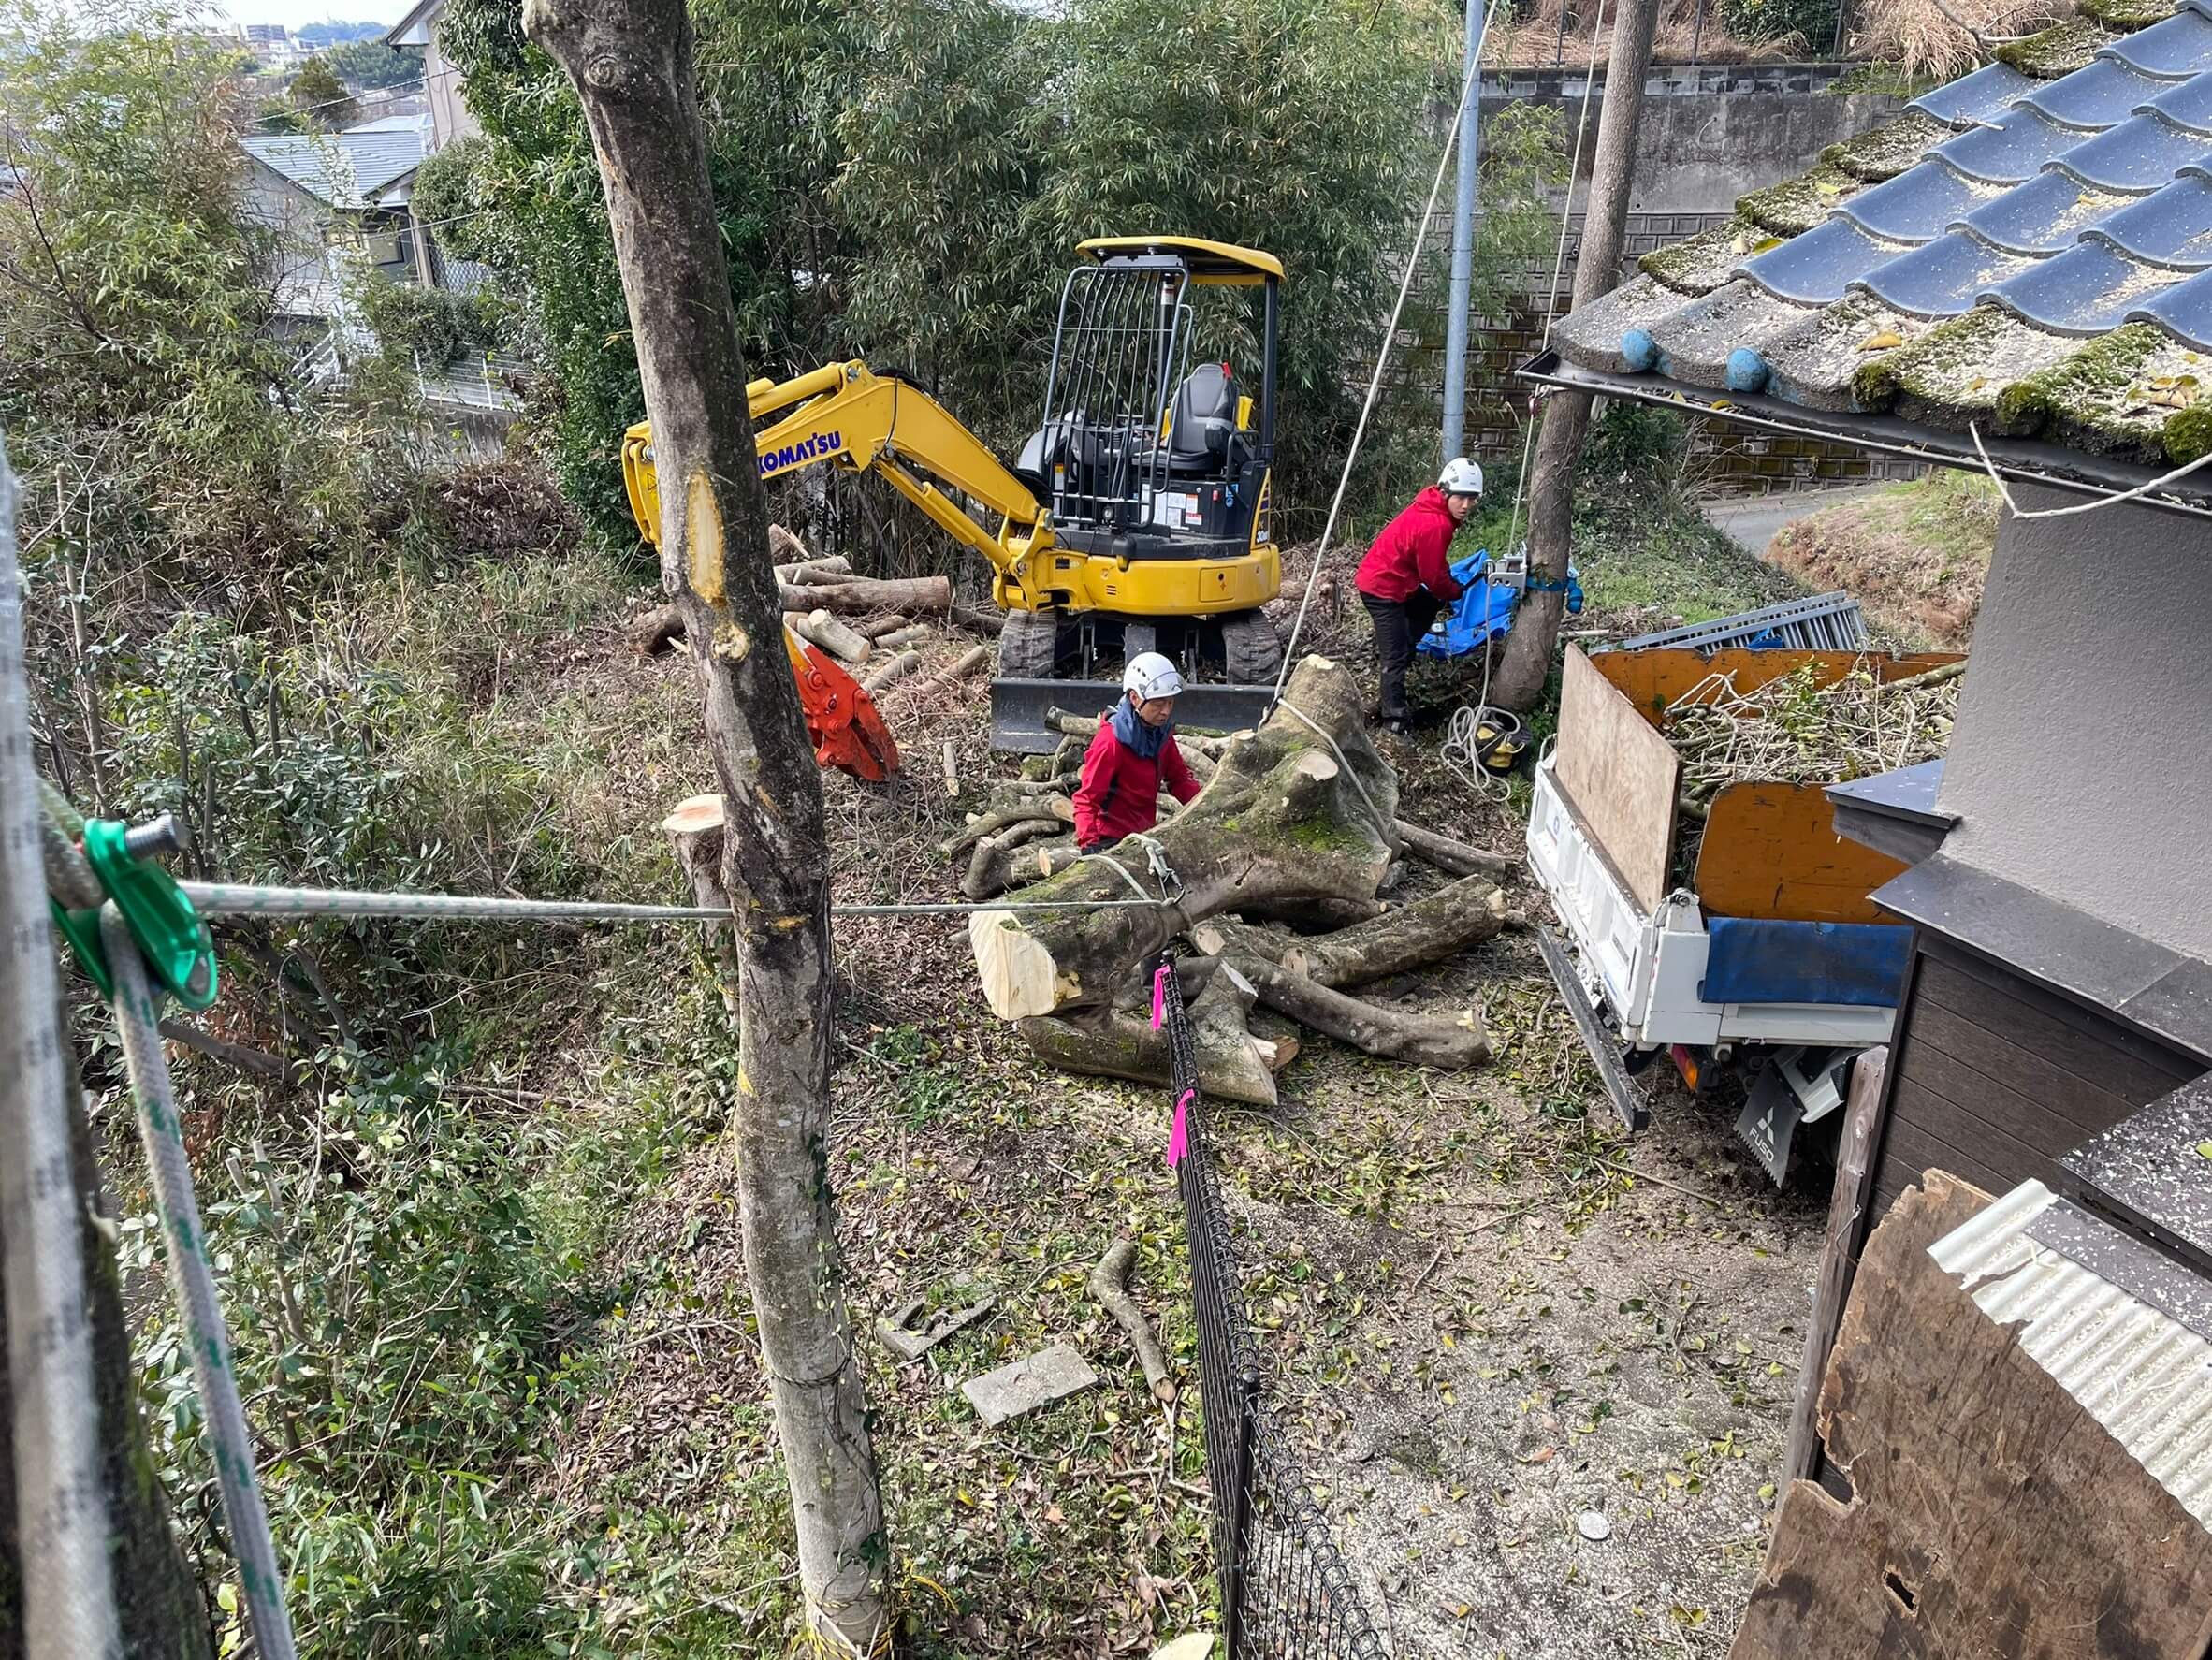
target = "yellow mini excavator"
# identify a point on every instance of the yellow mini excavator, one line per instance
(1137, 518)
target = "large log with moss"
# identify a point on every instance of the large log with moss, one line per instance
(1298, 823)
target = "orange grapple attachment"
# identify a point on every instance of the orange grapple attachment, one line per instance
(841, 718)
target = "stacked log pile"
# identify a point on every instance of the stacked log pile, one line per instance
(871, 626)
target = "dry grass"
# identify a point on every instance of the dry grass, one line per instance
(1690, 31)
(1940, 38)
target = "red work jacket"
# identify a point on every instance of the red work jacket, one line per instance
(1413, 552)
(1120, 790)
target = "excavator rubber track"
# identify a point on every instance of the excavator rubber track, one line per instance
(1019, 708)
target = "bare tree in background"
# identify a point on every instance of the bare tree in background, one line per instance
(631, 62)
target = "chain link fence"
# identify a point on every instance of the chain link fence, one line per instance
(1284, 1587)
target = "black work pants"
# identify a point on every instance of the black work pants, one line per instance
(1398, 625)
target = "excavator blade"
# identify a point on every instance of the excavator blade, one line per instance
(1019, 708)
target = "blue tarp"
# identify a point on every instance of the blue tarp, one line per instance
(1485, 611)
(1762, 961)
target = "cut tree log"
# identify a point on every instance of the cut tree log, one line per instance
(1412, 935)
(1017, 860)
(785, 548)
(1418, 1040)
(1110, 1285)
(978, 621)
(952, 768)
(967, 664)
(905, 635)
(989, 868)
(1050, 808)
(896, 668)
(847, 645)
(1233, 1064)
(816, 571)
(655, 631)
(1283, 830)
(856, 596)
(1451, 855)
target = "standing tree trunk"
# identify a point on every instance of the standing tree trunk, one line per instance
(1526, 663)
(632, 65)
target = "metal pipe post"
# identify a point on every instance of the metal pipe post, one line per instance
(1463, 244)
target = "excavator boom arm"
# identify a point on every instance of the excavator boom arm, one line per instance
(848, 413)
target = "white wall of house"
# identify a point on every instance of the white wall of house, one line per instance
(449, 116)
(2081, 766)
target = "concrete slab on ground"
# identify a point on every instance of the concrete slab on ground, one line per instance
(1033, 1381)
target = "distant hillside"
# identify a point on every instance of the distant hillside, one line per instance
(332, 34)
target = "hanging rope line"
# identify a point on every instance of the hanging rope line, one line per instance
(1382, 357)
(228, 898)
(1566, 210)
(2013, 507)
(192, 1278)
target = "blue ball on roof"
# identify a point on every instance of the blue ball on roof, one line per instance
(1747, 371)
(1639, 351)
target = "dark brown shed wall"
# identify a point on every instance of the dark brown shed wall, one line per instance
(1995, 1075)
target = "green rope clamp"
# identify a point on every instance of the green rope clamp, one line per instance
(175, 943)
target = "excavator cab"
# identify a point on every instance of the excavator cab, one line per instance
(1137, 518)
(1153, 464)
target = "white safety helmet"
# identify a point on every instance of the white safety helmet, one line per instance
(1462, 477)
(1150, 676)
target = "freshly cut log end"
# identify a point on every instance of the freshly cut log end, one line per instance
(1232, 1065)
(1299, 818)
(1020, 977)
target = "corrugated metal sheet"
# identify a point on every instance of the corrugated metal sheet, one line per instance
(2147, 1378)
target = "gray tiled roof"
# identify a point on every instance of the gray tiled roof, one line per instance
(347, 170)
(2028, 249)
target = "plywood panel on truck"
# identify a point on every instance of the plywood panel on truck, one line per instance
(1620, 775)
(1773, 851)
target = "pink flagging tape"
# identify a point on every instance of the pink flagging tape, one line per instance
(1160, 994)
(1179, 1137)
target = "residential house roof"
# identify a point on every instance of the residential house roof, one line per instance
(356, 169)
(2026, 251)
(2120, 1329)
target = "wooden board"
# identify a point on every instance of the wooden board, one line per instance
(1620, 775)
(1773, 851)
(1847, 1204)
(1654, 678)
(1990, 1515)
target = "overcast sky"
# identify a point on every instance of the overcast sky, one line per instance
(295, 14)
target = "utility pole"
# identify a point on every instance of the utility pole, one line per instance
(1526, 663)
(1462, 242)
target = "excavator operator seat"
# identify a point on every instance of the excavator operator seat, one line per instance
(1202, 437)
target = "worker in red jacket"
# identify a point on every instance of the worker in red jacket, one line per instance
(1405, 579)
(1133, 757)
